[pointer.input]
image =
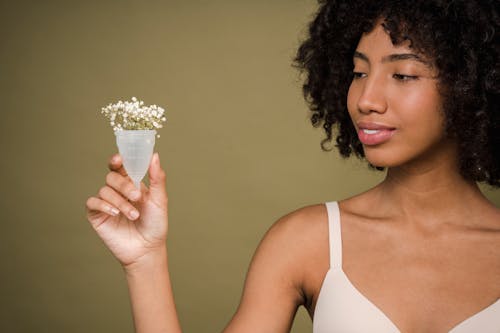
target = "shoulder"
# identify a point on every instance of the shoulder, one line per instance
(296, 240)
(298, 230)
(274, 283)
(297, 244)
(302, 220)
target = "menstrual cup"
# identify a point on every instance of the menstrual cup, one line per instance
(136, 149)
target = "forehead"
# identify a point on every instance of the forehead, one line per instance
(378, 41)
(376, 46)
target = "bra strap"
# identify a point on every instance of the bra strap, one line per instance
(334, 233)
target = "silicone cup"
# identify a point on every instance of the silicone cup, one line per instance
(136, 149)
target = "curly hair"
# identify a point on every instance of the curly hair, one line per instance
(459, 36)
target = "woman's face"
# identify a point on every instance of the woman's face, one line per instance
(394, 102)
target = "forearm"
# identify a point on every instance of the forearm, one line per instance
(151, 295)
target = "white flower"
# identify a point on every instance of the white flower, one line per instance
(134, 115)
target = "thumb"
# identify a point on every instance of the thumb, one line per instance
(157, 178)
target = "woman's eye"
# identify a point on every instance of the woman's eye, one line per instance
(403, 77)
(358, 75)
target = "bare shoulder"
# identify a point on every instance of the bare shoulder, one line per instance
(300, 224)
(279, 271)
(299, 240)
(303, 235)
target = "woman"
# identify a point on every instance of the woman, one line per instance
(412, 86)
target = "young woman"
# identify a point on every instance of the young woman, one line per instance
(413, 87)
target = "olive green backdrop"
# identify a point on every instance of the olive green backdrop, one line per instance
(238, 149)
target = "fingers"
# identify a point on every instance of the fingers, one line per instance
(120, 187)
(115, 163)
(113, 198)
(157, 178)
(116, 200)
(123, 185)
(98, 205)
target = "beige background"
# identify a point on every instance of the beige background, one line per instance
(238, 149)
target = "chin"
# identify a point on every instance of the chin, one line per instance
(384, 158)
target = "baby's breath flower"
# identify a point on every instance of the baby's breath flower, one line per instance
(134, 115)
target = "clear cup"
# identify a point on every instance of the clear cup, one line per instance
(136, 149)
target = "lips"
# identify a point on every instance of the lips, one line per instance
(374, 133)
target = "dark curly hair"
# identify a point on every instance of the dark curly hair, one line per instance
(461, 37)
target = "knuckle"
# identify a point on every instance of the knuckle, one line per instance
(102, 191)
(89, 202)
(117, 181)
(124, 206)
(113, 159)
(109, 177)
(127, 185)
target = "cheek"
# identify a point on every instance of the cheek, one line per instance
(420, 106)
(352, 100)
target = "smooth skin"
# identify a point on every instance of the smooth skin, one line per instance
(423, 245)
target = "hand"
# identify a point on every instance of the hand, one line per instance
(111, 213)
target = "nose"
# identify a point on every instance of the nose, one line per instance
(372, 98)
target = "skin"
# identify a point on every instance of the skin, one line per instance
(424, 217)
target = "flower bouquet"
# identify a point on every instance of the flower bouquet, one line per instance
(135, 128)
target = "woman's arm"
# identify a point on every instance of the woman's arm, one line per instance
(273, 287)
(138, 241)
(151, 295)
(271, 295)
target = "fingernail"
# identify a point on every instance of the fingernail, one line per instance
(135, 195)
(134, 214)
(114, 211)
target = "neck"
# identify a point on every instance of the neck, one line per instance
(429, 192)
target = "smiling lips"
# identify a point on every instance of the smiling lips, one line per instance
(373, 133)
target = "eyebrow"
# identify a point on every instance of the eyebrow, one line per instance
(393, 57)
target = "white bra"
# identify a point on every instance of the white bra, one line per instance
(341, 308)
